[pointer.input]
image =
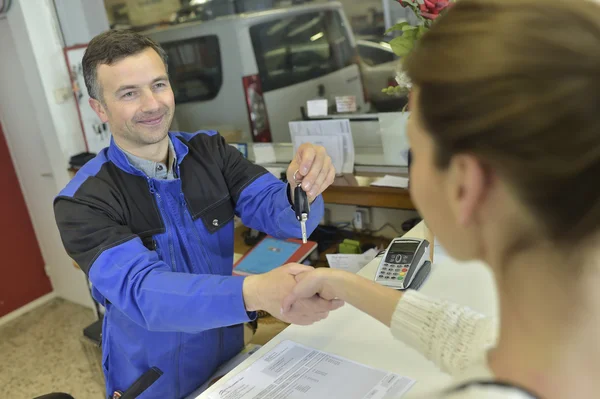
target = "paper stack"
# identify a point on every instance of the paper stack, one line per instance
(334, 135)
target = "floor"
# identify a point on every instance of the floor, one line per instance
(41, 352)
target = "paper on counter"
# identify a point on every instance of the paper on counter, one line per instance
(226, 367)
(317, 107)
(334, 127)
(294, 371)
(264, 153)
(333, 145)
(391, 181)
(351, 262)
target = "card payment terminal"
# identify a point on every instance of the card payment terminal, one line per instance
(405, 264)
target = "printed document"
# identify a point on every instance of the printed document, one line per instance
(351, 262)
(338, 128)
(294, 371)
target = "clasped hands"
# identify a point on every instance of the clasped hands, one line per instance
(294, 293)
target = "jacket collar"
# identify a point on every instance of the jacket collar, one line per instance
(118, 157)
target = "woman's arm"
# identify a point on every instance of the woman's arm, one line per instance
(450, 335)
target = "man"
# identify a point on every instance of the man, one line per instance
(150, 222)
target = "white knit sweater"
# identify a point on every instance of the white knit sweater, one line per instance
(455, 338)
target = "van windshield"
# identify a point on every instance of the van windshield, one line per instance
(299, 48)
(195, 68)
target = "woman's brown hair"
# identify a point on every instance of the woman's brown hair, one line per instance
(517, 84)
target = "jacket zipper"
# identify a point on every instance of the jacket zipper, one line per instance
(155, 193)
(196, 234)
(208, 263)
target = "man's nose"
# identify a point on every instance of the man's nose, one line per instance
(149, 102)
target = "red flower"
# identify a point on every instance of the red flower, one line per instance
(430, 9)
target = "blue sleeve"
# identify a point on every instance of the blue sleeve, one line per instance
(144, 288)
(264, 205)
(261, 200)
(134, 279)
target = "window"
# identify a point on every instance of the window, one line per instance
(299, 48)
(375, 55)
(195, 68)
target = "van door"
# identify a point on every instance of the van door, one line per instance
(303, 57)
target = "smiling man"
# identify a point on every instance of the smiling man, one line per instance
(150, 221)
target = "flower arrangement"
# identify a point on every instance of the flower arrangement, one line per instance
(427, 11)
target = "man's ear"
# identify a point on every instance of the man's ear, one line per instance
(99, 109)
(470, 182)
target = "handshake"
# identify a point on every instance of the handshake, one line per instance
(294, 293)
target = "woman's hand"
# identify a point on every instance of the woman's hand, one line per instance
(320, 282)
(338, 286)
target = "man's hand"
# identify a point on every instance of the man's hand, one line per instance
(314, 169)
(267, 291)
(319, 283)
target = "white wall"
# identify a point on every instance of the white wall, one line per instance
(81, 20)
(41, 134)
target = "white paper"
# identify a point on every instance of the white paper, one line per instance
(345, 104)
(294, 371)
(335, 127)
(264, 153)
(392, 127)
(351, 262)
(226, 367)
(333, 145)
(317, 107)
(391, 181)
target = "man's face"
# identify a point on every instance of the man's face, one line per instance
(138, 102)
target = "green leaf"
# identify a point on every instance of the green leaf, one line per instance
(411, 2)
(421, 2)
(421, 31)
(401, 46)
(409, 27)
(398, 26)
(410, 35)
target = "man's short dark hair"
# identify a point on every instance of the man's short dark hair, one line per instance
(110, 47)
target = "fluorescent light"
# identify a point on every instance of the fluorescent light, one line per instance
(316, 37)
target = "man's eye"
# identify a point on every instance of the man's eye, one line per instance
(128, 94)
(160, 85)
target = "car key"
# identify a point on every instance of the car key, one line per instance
(302, 208)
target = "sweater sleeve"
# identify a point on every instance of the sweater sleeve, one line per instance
(452, 336)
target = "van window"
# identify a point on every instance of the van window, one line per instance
(299, 48)
(372, 55)
(195, 68)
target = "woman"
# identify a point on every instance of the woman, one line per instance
(505, 138)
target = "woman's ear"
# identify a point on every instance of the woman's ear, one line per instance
(469, 183)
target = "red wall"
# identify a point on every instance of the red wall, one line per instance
(22, 275)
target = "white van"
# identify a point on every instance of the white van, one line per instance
(254, 71)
